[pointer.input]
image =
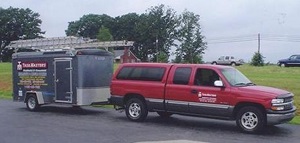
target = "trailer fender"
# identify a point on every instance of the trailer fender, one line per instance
(39, 96)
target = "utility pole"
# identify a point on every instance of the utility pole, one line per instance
(156, 44)
(258, 43)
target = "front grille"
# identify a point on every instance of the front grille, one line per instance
(288, 106)
(288, 101)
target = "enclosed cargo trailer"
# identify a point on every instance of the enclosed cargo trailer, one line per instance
(75, 77)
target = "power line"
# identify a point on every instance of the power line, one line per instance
(232, 41)
(246, 38)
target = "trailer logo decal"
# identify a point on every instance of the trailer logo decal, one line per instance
(31, 65)
(32, 75)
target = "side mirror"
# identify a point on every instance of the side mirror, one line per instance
(218, 83)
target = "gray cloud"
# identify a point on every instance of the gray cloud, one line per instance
(219, 18)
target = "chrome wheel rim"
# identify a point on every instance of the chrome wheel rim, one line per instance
(134, 110)
(249, 120)
(31, 103)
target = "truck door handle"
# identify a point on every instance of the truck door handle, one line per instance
(194, 91)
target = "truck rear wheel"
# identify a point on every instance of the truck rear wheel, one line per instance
(32, 103)
(136, 110)
(250, 119)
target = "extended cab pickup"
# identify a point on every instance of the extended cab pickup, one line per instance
(198, 90)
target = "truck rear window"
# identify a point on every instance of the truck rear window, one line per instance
(141, 73)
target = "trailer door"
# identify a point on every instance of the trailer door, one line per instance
(63, 80)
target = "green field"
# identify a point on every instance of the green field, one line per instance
(274, 76)
(5, 81)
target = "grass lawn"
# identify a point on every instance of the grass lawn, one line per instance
(274, 76)
(5, 81)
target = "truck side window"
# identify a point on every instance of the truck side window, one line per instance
(182, 75)
(205, 77)
(123, 74)
(141, 73)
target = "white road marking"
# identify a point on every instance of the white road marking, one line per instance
(172, 141)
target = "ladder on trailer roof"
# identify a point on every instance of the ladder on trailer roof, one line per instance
(65, 43)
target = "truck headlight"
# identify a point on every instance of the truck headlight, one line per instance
(277, 101)
(277, 108)
(277, 104)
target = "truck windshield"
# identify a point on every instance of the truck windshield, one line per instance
(236, 78)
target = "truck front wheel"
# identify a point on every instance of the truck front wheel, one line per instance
(250, 119)
(32, 103)
(136, 110)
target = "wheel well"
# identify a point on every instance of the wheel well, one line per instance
(29, 94)
(132, 95)
(285, 64)
(244, 104)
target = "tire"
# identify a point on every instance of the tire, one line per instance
(282, 65)
(233, 64)
(250, 119)
(136, 110)
(164, 114)
(214, 63)
(32, 103)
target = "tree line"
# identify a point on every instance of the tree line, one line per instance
(155, 32)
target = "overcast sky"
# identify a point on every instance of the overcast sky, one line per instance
(230, 26)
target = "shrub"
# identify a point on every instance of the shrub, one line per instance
(257, 59)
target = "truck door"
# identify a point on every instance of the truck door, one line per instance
(63, 80)
(205, 98)
(178, 90)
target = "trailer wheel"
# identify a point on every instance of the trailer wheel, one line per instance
(32, 103)
(136, 110)
(250, 119)
(164, 114)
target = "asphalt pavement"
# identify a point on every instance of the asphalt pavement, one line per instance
(66, 124)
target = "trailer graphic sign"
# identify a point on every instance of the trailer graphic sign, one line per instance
(31, 65)
(32, 75)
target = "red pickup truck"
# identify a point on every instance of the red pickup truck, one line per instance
(211, 91)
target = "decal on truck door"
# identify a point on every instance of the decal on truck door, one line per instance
(209, 98)
(63, 80)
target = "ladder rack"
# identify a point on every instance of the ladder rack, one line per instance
(65, 43)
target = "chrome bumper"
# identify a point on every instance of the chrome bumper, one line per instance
(273, 119)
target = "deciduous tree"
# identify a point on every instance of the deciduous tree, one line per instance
(191, 41)
(89, 25)
(15, 24)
